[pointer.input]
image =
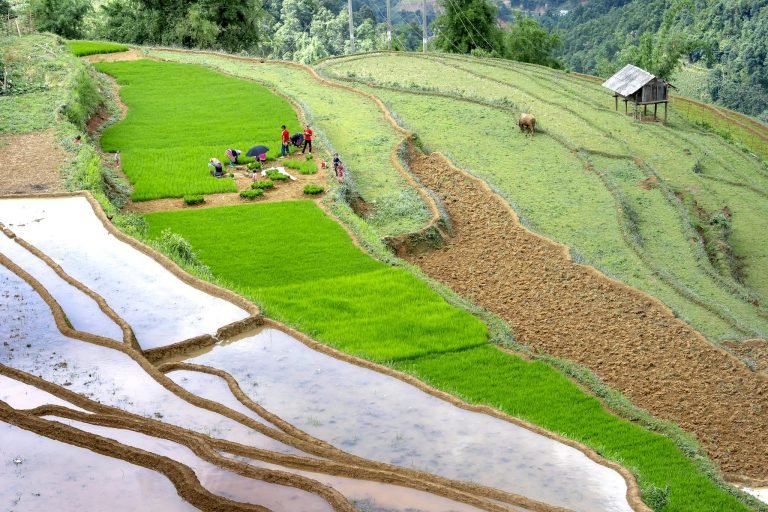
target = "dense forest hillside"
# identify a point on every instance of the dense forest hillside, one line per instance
(729, 37)
(714, 50)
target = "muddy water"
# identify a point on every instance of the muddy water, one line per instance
(217, 480)
(378, 497)
(382, 418)
(30, 341)
(371, 496)
(81, 310)
(138, 288)
(52, 476)
(213, 388)
(23, 396)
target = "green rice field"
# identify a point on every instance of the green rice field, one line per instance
(353, 127)
(176, 123)
(83, 48)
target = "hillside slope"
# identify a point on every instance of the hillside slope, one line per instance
(672, 210)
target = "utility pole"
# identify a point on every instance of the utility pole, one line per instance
(389, 25)
(351, 29)
(423, 23)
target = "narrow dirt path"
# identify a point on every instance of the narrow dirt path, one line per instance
(629, 339)
(29, 163)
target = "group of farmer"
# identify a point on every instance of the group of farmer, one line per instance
(286, 140)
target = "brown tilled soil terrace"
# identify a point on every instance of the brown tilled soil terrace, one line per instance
(29, 163)
(629, 339)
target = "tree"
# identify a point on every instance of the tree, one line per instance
(5, 7)
(62, 17)
(467, 25)
(658, 53)
(527, 41)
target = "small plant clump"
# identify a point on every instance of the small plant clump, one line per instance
(191, 200)
(310, 157)
(251, 193)
(304, 167)
(276, 175)
(262, 185)
(313, 189)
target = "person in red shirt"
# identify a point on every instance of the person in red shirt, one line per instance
(307, 139)
(285, 139)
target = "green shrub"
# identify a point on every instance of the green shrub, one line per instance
(131, 224)
(194, 199)
(262, 185)
(656, 497)
(313, 189)
(252, 193)
(310, 157)
(276, 175)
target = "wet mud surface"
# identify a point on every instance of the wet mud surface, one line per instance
(627, 338)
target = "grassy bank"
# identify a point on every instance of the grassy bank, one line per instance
(179, 117)
(304, 270)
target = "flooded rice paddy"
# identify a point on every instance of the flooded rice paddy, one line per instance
(136, 286)
(42, 474)
(343, 437)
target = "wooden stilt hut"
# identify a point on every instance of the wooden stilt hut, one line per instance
(639, 87)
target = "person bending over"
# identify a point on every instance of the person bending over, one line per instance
(232, 155)
(217, 170)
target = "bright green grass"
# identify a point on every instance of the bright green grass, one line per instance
(179, 116)
(82, 48)
(533, 391)
(572, 205)
(354, 127)
(302, 268)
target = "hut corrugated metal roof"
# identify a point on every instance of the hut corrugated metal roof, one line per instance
(628, 80)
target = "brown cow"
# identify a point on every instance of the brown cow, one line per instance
(527, 121)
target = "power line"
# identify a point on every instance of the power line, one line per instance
(460, 14)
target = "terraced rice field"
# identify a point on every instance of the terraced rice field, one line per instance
(329, 289)
(114, 352)
(218, 427)
(630, 198)
(349, 124)
(174, 127)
